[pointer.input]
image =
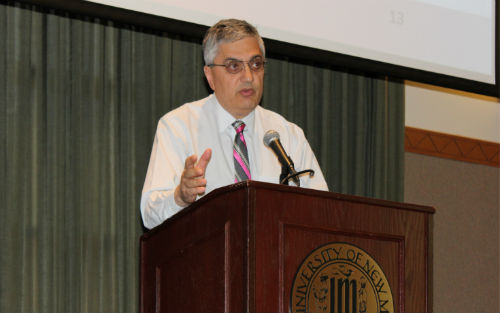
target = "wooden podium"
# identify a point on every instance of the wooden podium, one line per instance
(244, 248)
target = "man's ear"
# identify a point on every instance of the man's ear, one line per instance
(209, 76)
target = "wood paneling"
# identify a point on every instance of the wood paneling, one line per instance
(452, 147)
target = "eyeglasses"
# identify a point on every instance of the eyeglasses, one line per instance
(234, 66)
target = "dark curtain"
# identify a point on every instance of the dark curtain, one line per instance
(80, 99)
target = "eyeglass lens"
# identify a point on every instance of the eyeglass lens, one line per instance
(235, 66)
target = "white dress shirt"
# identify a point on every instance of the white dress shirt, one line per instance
(196, 126)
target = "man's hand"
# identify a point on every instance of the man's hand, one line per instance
(193, 181)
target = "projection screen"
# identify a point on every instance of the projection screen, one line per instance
(449, 37)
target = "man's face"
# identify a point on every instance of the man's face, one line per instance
(238, 93)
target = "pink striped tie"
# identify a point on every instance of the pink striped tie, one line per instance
(240, 154)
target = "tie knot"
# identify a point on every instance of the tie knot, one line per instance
(239, 126)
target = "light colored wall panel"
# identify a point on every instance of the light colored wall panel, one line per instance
(465, 230)
(452, 112)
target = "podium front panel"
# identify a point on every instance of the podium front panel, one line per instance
(287, 234)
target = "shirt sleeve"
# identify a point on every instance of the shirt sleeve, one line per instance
(304, 154)
(165, 168)
(318, 180)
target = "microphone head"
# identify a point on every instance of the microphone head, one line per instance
(270, 136)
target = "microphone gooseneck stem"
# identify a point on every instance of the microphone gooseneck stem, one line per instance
(288, 173)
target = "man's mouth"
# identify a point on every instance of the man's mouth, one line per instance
(247, 92)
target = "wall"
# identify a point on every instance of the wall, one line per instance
(451, 111)
(465, 230)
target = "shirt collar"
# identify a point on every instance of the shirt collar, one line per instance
(225, 119)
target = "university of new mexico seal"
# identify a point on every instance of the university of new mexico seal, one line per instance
(340, 277)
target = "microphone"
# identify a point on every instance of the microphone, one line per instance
(272, 140)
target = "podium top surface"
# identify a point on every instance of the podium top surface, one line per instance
(252, 186)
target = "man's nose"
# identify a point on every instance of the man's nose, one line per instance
(247, 72)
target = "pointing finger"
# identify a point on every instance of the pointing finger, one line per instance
(204, 159)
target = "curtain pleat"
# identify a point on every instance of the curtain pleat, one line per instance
(80, 99)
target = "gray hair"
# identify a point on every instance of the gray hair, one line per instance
(225, 31)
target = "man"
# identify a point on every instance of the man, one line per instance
(226, 129)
